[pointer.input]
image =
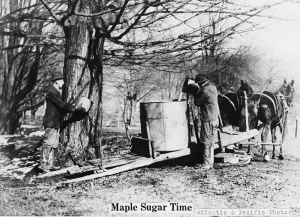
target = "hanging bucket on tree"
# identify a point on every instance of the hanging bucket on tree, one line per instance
(167, 124)
(86, 103)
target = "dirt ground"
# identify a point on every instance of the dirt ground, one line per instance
(258, 185)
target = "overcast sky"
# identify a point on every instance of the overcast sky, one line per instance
(280, 40)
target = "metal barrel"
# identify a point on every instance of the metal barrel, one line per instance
(167, 124)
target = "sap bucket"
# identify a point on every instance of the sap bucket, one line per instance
(86, 103)
(167, 124)
(190, 87)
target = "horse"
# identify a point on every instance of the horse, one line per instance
(287, 89)
(230, 105)
(270, 109)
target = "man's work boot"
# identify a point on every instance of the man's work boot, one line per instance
(40, 170)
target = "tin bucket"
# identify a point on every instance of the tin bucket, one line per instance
(190, 87)
(167, 124)
(86, 103)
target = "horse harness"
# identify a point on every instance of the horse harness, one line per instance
(274, 99)
(289, 95)
(231, 102)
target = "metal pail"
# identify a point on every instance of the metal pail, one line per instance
(86, 103)
(190, 87)
(167, 124)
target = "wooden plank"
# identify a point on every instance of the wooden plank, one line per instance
(130, 161)
(134, 165)
(233, 139)
(120, 161)
(83, 169)
(117, 160)
(274, 144)
(250, 143)
(260, 143)
(58, 172)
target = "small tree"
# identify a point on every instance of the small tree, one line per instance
(23, 60)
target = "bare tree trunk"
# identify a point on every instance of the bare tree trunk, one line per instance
(18, 77)
(81, 132)
(125, 120)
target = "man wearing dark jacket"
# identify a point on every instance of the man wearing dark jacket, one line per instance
(206, 99)
(56, 108)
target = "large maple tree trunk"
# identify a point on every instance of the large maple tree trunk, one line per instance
(83, 69)
(81, 132)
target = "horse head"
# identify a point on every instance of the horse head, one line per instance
(245, 87)
(287, 90)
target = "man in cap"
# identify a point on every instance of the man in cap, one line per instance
(206, 99)
(56, 108)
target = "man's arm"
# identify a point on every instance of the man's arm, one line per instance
(57, 100)
(200, 98)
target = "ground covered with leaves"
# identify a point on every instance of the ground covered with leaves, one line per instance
(274, 184)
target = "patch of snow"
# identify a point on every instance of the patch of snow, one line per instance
(16, 160)
(37, 133)
(3, 141)
(29, 126)
(267, 158)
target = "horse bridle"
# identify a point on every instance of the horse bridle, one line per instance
(291, 93)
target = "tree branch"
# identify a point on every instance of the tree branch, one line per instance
(31, 79)
(27, 108)
(24, 35)
(58, 20)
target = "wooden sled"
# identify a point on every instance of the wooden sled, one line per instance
(129, 161)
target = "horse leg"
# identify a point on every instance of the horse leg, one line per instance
(264, 136)
(283, 133)
(274, 139)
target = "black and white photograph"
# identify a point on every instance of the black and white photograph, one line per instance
(150, 108)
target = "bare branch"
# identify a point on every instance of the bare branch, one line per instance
(24, 35)
(28, 108)
(58, 20)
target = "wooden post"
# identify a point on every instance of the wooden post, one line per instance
(180, 96)
(220, 141)
(188, 119)
(249, 149)
(149, 141)
(246, 112)
(195, 126)
(296, 130)
(246, 118)
(153, 149)
(273, 154)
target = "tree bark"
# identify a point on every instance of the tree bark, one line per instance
(83, 70)
(19, 77)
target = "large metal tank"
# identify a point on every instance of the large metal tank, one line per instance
(167, 124)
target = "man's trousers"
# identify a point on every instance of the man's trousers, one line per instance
(50, 143)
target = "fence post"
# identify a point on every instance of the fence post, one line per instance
(296, 130)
